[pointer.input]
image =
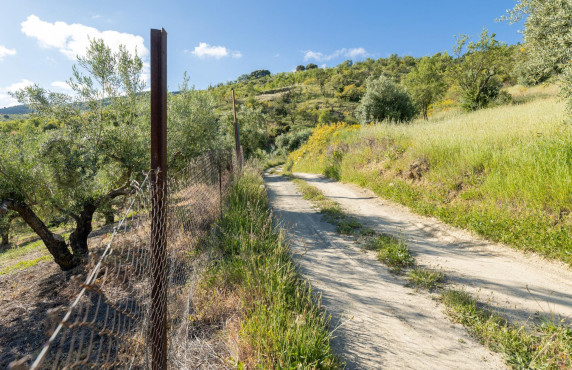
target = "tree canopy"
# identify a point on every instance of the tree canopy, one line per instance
(97, 149)
(385, 100)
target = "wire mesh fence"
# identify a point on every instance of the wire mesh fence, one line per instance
(110, 323)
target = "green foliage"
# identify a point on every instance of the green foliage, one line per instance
(426, 82)
(83, 148)
(548, 41)
(253, 129)
(326, 117)
(300, 68)
(392, 251)
(259, 73)
(385, 100)
(550, 347)
(489, 171)
(547, 35)
(282, 325)
(194, 126)
(478, 70)
(351, 93)
(311, 66)
(292, 140)
(425, 278)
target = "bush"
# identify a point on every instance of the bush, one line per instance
(385, 100)
(351, 93)
(292, 140)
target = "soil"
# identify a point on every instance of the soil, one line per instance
(33, 300)
(377, 321)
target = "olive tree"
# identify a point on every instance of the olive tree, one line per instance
(385, 100)
(90, 160)
(193, 125)
(426, 82)
(478, 70)
(253, 129)
(547, 39)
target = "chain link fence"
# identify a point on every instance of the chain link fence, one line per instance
(109, 324)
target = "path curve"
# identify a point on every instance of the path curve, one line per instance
(382, 323)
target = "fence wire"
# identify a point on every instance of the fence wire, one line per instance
(108, 325)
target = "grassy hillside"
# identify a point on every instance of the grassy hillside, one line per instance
(504, 172)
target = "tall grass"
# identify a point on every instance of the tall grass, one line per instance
(282, 325)
(503, 172)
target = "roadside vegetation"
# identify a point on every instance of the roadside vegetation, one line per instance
(547, 346)
(281, 324)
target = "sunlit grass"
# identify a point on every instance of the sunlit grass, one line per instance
(282, 325)
(16, 251)
(504, 172)
(24, 264)
(548, 347)
(425, 278)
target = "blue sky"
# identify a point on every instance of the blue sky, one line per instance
(216, 41)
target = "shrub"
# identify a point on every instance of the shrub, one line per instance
(292, 140)
(351, 93)
(385, 100)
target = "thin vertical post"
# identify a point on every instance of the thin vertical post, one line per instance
(219, 160)
(158, 322)
(236, 134)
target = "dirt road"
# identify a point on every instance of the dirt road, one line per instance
(382, 323)
(522, 287)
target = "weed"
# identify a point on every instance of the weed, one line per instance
(391, 251)
(549, 347)
(331, 210)
(426, 278)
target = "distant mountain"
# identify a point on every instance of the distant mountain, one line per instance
(17, 109)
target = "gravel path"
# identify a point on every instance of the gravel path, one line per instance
(380, 322)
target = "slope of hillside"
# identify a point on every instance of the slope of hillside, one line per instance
(505, 172)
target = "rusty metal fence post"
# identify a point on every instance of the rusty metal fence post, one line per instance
(158, 319)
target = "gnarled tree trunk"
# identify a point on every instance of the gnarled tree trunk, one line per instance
(78, 238)
(55, 243)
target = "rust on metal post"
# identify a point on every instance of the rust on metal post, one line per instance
(236, 134)
(158, 322)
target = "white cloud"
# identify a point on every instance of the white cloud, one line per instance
(347, 53)
(4, 51)
(8, 101)
(73, 39)
(61, 85)
(205, 50)
(356, 53)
